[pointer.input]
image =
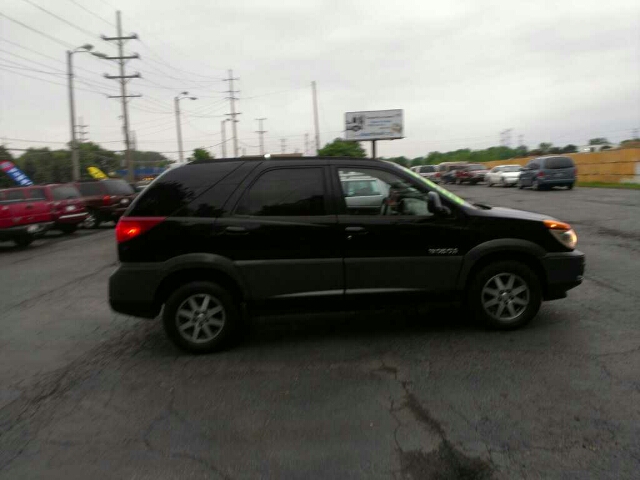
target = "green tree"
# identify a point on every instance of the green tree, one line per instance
(342, 148)
(569, 148)
(598, 141)
(545, 147)
(201, 154)
(404, 161)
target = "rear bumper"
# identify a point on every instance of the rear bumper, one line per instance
(132, 289)
(556, 181)
(564, 271)
(110, 213)
(32, 229)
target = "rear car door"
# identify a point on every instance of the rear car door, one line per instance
(283, 236)
(14, 208)
(401, 248)
(37, 205)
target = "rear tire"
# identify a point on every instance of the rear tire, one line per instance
(505, 295)
(68, 229)
(535, 185)
(201, 317)
(570, 186)
(24, 241)
(92, 220)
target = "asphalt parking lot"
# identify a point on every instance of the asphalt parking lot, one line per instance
(86, 393)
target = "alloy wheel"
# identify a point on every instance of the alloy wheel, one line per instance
(200, 318)
(505, 297)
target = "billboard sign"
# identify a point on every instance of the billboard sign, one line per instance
(15, 173)
(374, 125)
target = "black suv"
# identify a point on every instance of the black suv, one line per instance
(212, 240)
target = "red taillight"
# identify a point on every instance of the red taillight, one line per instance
(106, 200)
(130, 227)
(540, 175)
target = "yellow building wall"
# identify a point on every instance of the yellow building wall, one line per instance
(612, 166)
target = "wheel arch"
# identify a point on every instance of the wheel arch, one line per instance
(200, 267)
(492, 251)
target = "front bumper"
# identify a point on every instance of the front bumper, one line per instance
(31, 229)
(564, 271)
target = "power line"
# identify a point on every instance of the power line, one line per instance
(28, 60)
(91, 13)
(64, 20)
(53, 39)
(28, 68)
(48, 81)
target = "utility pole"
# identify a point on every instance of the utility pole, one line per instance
(283, 141)
(120, 39)
(315, 115)
(520, 140)
(233, 113)
(505, 137)
(179, 129)
(134, 140)
(223, 134)
(306, 143)
(261, 133)
(82, 131)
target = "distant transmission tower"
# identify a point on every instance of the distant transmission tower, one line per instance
(505, 137)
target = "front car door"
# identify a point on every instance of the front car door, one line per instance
(528, 174)
(283, 236)
(397, 248)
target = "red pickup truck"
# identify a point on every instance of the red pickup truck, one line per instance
(25, 214)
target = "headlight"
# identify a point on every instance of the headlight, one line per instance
(562, 232)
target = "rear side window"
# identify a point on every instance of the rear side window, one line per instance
(558, 162)
(37, 194)
(12, 196)
(427, 169)
(65, 192)
(118, 187)
(285, 192)
(533, 166)
(90, 189)
(475, 167)
(178, 187)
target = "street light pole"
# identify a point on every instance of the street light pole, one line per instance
(75, 157)
(75, 163)
(176, 101)
(179, 128)
(223, 133)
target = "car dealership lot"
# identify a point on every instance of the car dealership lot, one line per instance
(415, 393)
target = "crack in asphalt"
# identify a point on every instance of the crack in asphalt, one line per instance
(443, 463)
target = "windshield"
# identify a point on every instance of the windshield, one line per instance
(118, 187)
(476, 167)
(434, 187)
(65, 192)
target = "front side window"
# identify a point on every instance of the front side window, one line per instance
(386, 193)
(37, 194)
(533, 166)
(285, 192)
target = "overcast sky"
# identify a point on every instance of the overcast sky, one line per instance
(558, 71)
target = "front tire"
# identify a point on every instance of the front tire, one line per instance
(505, 295)
(201, 317)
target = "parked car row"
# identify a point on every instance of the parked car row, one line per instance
(28, 212)
(539, 174)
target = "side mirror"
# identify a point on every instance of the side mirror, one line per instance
(435, 204)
